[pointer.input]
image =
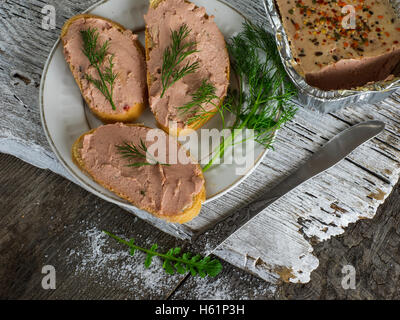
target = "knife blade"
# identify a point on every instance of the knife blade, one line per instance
(329, 155)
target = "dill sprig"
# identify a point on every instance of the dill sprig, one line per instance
(174, 55)
(96, 56)
(132, 152)
(174, 261)
(263, 101)
(195, 109)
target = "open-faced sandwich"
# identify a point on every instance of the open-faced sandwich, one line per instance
(108, 64)
(187, 65)
(334, 50)
(118, 157)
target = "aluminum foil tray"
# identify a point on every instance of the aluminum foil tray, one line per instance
(314, 98)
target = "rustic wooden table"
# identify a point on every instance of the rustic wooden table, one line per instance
(48, 220)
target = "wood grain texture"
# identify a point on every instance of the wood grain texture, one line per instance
(371, 246)
(279, 243)
(46, 219)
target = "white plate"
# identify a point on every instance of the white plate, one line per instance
(65, 117)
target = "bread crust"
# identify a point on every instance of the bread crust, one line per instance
(135, 110)
(181, 217)
(195, 125)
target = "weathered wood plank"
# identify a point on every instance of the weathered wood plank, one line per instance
(371, 246)
(47, 220)
(24, 47)
(320, 209)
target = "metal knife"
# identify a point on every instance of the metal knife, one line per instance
(329, 155)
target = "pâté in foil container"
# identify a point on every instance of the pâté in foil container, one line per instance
(338, 53)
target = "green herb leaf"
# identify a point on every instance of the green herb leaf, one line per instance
(150, 255)
(168, 267)
(174, 261)
(195, 109)
(213, 268)
(172, 69)
(132, 152)
(133, 249)
(96, 58)
(263, 101)
(180, 268)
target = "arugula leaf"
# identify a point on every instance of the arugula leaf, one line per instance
(174, 261)
(150, 255)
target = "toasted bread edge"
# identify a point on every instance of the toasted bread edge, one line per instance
(181, 218)
(196, 125)
(137, 109)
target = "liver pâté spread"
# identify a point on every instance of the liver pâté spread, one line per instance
(167, 190)
(129, 64)
(331, 57)
(212, 56)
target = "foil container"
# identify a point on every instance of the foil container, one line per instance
(314, 98)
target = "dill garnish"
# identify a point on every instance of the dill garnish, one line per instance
(263, 101)
(174, 55)
(132, 152)
(204, 95)
(96, 56)
(174, 261)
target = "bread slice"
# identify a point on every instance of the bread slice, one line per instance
(183, 216)
(131, 111)
(149, 45)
